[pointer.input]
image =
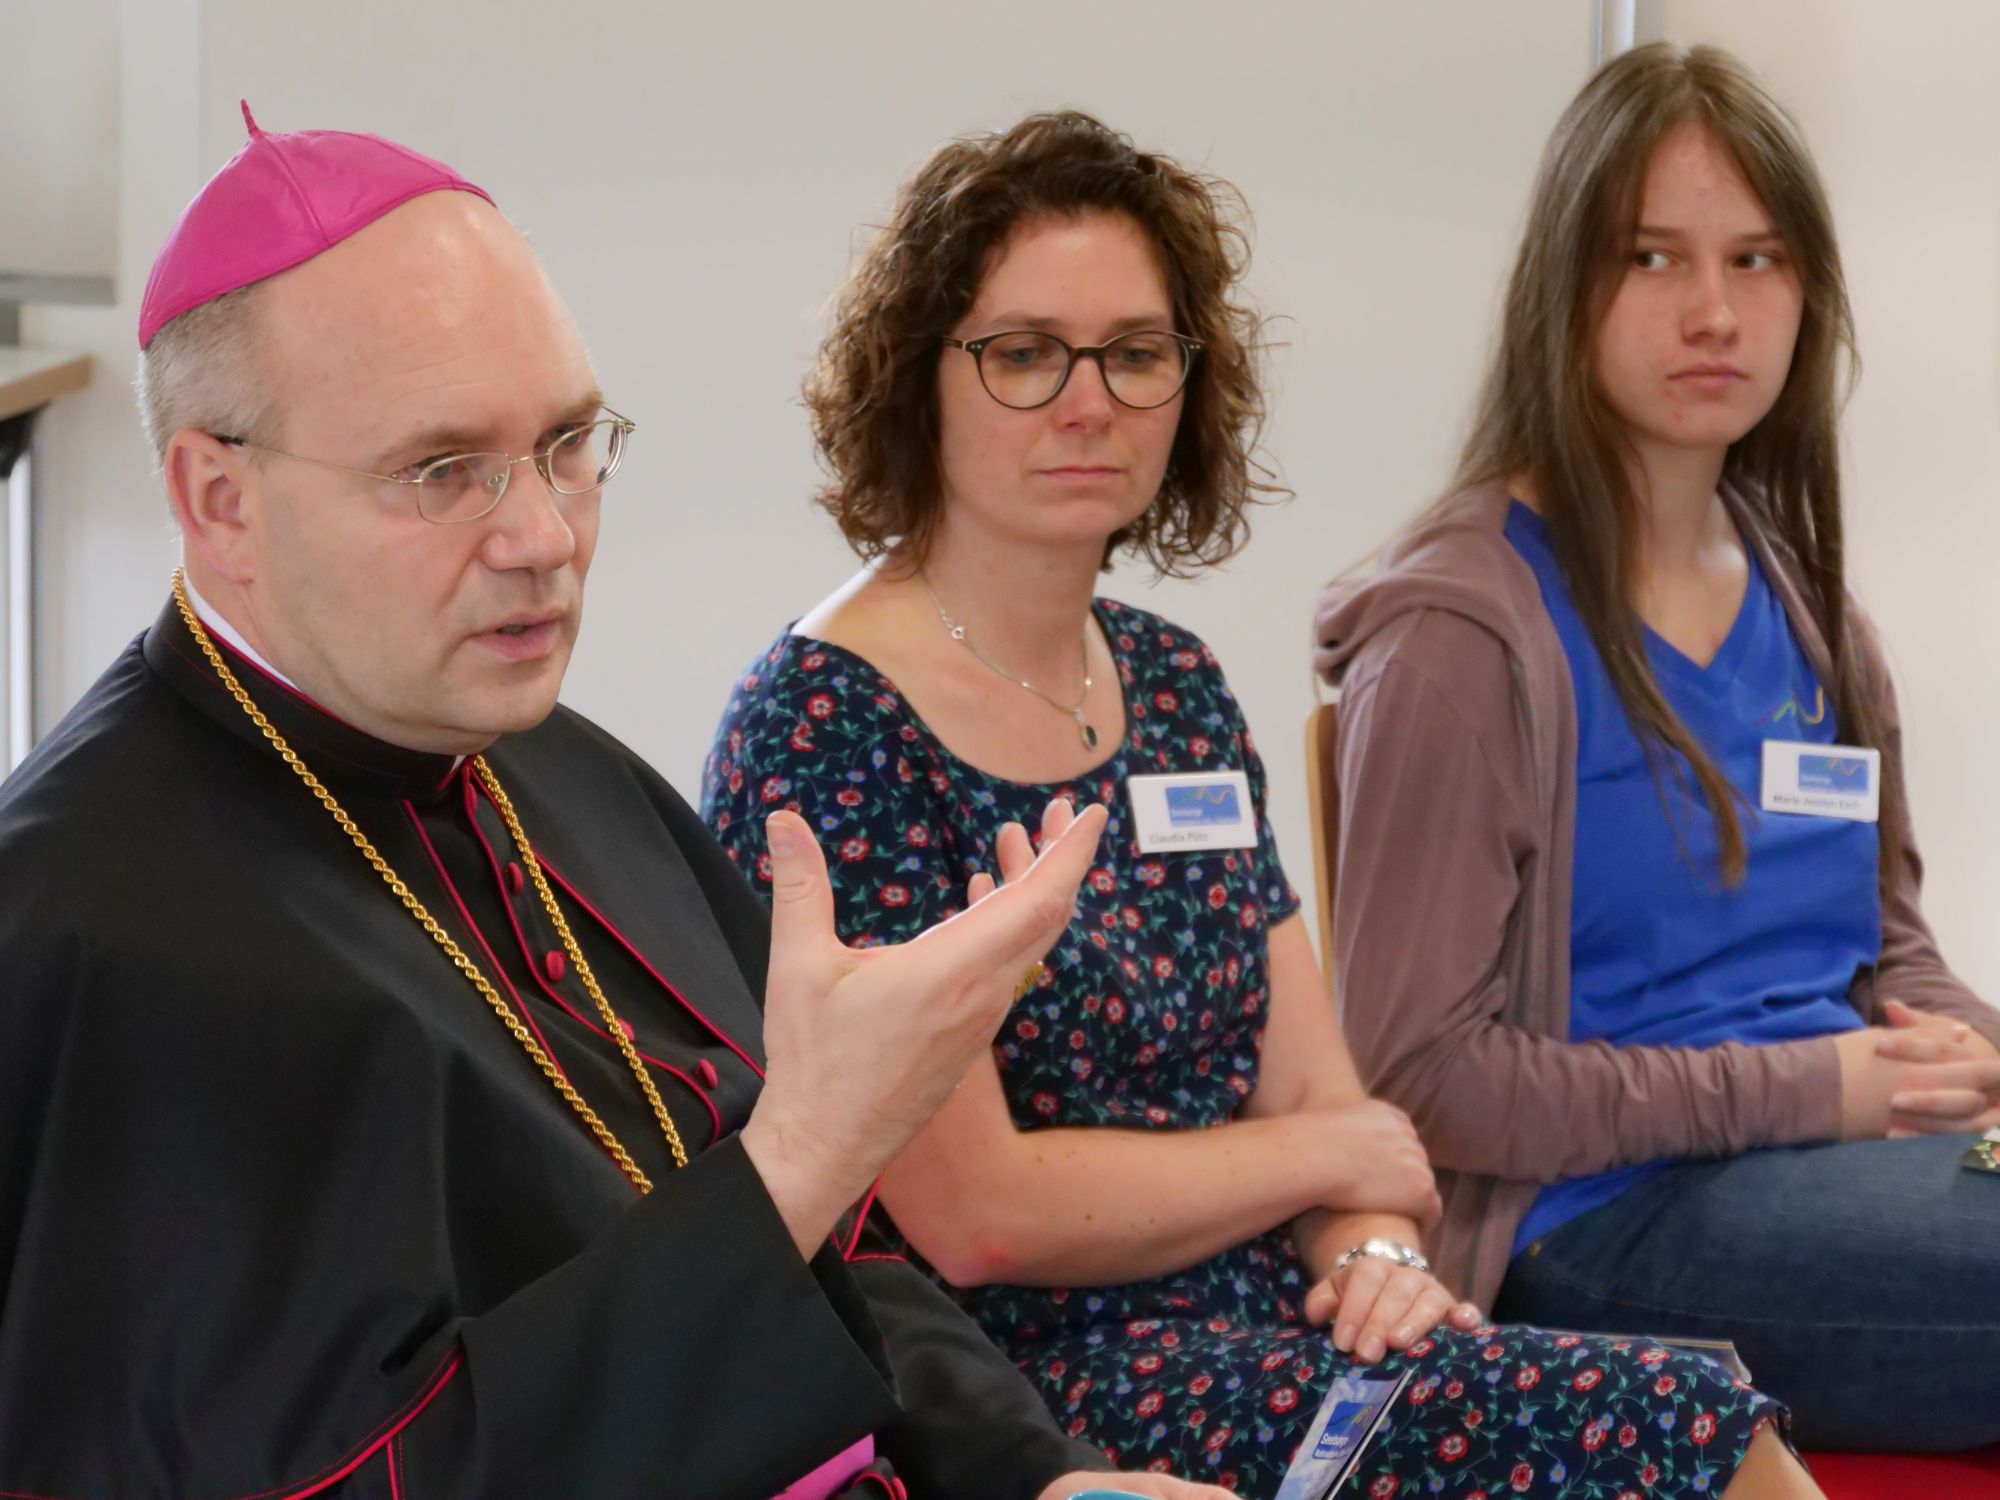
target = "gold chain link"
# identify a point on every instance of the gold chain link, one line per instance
(581, 964)
(444, 940)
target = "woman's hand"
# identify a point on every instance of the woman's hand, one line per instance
(1376, 1305)
(1379, 1163)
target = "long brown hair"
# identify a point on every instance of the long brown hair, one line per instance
(872, 393)
(1542, 413)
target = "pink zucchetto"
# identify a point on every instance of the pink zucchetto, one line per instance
(281, 200)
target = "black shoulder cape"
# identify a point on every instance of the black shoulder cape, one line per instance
(284, 1209)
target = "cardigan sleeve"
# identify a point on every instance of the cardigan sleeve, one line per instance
(1911, 968)
(1437, 824)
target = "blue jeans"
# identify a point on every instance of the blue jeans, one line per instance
(1860, 1282)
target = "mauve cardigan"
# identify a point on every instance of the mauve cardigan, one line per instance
(1456, 809)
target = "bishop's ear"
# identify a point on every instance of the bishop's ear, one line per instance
(210, 485)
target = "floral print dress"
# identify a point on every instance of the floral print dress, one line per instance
(1150, 1017)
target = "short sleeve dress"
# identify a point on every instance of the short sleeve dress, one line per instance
(1150, 1017)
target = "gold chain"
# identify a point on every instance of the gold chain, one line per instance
(444, 940)
(581, 964)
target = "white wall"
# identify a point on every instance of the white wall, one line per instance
(1897, 102)
(104, 542)
(59, 137)
(695, 177)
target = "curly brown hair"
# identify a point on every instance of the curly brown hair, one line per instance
(873, 394)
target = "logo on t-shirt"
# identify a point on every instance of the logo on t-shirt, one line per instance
(1793, 708)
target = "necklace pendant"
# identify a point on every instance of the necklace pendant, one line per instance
(1087, 732)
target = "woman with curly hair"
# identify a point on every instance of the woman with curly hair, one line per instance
(1168, 1173)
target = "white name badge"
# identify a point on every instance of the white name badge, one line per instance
(1193, 810)
(1822, 781)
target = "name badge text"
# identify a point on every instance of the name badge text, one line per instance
(1822, 781)
(1193, 810)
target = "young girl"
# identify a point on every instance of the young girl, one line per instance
(1168, 1171)
(1626, 912)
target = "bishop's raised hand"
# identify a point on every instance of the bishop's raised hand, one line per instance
(864, 1046)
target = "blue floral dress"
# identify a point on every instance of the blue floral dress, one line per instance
(1150, 1017)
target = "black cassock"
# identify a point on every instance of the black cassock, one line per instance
(285, 1210)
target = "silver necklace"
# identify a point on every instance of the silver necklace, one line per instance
(1085, 730)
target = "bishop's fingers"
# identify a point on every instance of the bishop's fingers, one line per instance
(1014, 853)
(1016, 924)
(1057, 816)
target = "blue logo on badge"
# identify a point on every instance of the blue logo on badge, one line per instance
(1202, 806)
(1340, 1424)
(1833, 773)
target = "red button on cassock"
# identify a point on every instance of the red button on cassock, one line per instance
(554, 965)
(515, 879)
(705, 1070)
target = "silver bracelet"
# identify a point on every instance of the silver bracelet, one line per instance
(1384, 1249)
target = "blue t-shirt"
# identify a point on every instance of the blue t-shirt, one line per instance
(1662, 953)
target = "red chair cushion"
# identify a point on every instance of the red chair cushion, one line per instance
(1919, 1476)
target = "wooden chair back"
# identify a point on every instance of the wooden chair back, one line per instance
(1323, 805)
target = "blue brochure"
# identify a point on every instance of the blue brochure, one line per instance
(1355, 1410)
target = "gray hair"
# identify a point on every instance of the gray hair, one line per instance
(205, 369)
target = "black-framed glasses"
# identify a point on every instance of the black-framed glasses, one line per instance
(465, 486)
(1026, 369)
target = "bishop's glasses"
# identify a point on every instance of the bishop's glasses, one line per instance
(459, 487)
